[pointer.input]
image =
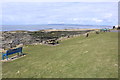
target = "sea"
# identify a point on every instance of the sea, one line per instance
(50, 26)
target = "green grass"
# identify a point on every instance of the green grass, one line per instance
(78, 57)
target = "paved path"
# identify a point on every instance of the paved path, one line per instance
(115, 31)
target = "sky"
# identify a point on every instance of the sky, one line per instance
(59, 1)
(85, 13)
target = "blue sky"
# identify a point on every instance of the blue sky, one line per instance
(93, 13)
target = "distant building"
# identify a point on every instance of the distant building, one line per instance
(116, 27)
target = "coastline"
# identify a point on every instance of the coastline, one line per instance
(51, 30)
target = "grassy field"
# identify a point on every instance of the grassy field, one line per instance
(78, 57)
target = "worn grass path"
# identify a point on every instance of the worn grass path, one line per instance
(79, 57)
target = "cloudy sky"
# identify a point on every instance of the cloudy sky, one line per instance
(93, 13)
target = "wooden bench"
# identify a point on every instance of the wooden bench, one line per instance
(12, 51)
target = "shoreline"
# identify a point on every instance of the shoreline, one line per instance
(51, 30)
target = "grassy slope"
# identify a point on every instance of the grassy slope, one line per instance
(95, 56)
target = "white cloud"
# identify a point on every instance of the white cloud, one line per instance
(108, 15)
(62, 22)
(49, 22)
(97, 20)
(88, 19)
(75, 19)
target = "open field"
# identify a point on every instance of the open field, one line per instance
(78, 57)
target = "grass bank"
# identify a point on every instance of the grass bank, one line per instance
(78, 57)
